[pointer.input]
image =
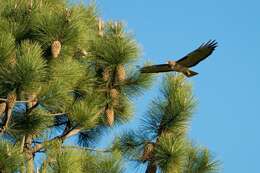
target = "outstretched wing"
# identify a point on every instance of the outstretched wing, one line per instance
(165, 68)
(156, 68)
(198, 55)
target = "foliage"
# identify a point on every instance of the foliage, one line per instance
(10, 157)
(165, 127)
(64, 68)
(200, 160)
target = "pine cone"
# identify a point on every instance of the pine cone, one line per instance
(31, 3)
(110, 116)
(106, 74)
(118, 28)
(55, 48)
(2, 108)
(67, 12)
(12, 60)
(114, 94)
(11, 99)
(32, 100)
(148, 151)
(84, 52)
(121, 75)
(100, 27)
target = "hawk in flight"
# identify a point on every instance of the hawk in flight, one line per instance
(183, 64)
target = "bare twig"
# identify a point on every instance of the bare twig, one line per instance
(62, 137)
(87, 148)
(18, 101)
(57, 114)
(22, 144)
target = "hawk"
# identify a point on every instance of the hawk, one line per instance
(183, 64)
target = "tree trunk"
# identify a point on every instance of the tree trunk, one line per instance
(44, 167)
(29, 154)
(151, 168)
(30, 166)
(28, 144)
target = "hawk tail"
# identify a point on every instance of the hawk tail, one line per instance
(190, 73)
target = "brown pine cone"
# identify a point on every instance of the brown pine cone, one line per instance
(106, 74)
(114, 93)
(101, 26)
(32, 100)
(121, 74)
(55, 48)
(110, 116)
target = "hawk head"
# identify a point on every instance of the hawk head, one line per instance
(172, 64)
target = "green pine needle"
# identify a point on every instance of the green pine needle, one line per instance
(113, 50)
(10, 157)
(170, 154)
(171, 112)
(34, 123)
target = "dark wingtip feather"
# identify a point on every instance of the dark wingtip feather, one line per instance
(201, 53)
(210, 44)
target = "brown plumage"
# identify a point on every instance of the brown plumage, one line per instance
(183, 64)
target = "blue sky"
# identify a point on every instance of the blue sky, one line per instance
(227, 117)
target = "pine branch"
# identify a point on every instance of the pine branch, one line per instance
(17, 101)
(22, 144)
(62, 137)
(10, 103)
(89, 149)
(57, 114)
(151, 168)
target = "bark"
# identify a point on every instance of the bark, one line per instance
(28, 143)
(151, 168)
(10, 103)
(29, 154)
(7, 118)
(22, 144)
(44, 167)
(70, 133)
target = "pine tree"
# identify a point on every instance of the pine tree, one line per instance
(161, 142)
(65, 72)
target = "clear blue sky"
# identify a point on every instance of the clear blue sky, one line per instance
(227, 88)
